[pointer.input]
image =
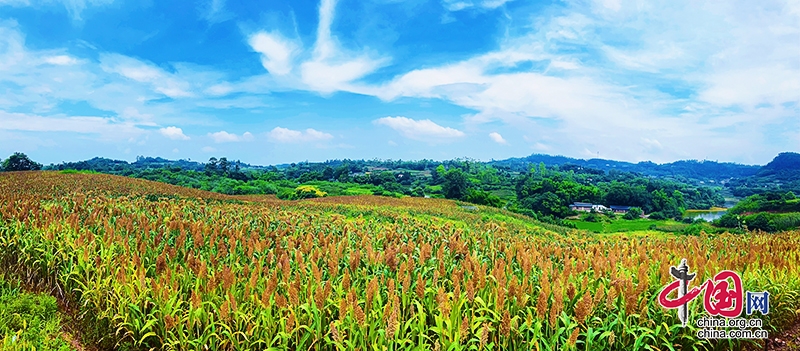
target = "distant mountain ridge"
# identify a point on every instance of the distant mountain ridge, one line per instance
(784, 168)
(691, 169)
(100, 164)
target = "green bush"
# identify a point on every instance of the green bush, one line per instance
(592, 217)
(760, 221)
(481, 197)
(728, 220)
(28, 321)
(286, 194)
(786, 221)
(633, 213)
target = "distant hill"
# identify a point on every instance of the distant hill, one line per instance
(691, 169)
(785, 166)
(782, 174)
(784, 169)
(105, 165)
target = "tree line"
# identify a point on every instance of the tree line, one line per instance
(541, 192)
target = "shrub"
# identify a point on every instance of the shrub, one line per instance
(760, 221)
(481, 197)
(308, 191)
(728, 220)
(786, 221)
(633, 213)
(592, 217)
(28, 321)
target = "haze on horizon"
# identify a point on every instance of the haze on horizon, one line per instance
(287, 81)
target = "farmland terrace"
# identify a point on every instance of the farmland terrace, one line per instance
(142, 265)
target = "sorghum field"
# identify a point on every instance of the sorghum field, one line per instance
(145, 265)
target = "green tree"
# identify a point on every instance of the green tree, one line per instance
(438, 175)
(633, 213)
(342, 173)
(211, 166)
(224, 165)
(327, 173)
(481, 197)
(20, 162)
(455, 184)
(383, 178)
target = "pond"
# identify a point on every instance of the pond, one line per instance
(709, 216)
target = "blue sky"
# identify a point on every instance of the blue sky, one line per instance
(272, 82)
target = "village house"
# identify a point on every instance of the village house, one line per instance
(581, 206)
(620, 209)
(587, 207)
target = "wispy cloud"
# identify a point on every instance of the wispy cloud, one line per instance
(61, 60)
(285, 135)
(162, 82)
(74, 7)
(425, 130)
(327, 68)
(458, 5)
(105, 128)
(225, 137)
(214, 11)
(276, 51)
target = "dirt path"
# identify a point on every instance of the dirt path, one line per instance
(788, 340)
(69, 325)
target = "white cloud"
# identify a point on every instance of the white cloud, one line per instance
(214, 11)
(425, 130)
(106, 128)
(225, 137)
(458, 5)
(605, 102)
(74, 7)
(497, 138)
(327, 77)
(176, 150)
(61, 60)
(208, 149)
(772, 85)
(139, 71)
(285, 135)
(540, 147)
(15, 2)
(326, 67)
(173, 133)
(663, 54)
(331, 68)
(219, 89)
(652, 144)
(276, 51)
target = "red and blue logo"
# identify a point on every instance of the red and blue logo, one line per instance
(722, 295)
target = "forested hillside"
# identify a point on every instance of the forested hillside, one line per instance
(540, 191)
(782, 174)
(689, 170)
